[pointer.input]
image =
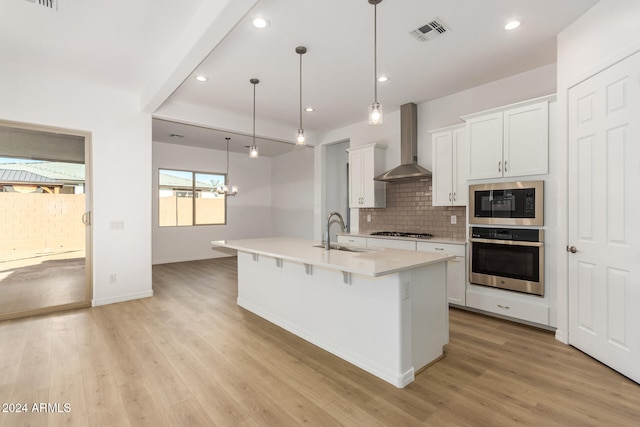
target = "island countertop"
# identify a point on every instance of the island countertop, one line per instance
(369, 262)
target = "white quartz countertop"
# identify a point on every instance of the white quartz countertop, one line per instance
(372, 262)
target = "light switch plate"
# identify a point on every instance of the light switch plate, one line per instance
(116, 225)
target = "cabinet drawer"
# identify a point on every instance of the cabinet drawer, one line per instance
(391, 244)
(529, 311)
(352, 240)
(447, 248)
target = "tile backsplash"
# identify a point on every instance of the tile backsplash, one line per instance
(409, 209)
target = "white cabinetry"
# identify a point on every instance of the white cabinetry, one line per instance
(352, 240)
(450, 154)
(509, 304)
(456, 269)
(509, 141)
(364, 164)
(408, 245)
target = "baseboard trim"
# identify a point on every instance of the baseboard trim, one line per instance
(122, 298)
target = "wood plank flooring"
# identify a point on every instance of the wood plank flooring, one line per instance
(190, 356)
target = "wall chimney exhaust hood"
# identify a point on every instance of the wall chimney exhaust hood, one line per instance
(409, 168)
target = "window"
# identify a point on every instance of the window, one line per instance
(189, 198)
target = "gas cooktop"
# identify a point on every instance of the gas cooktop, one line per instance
(402, 234)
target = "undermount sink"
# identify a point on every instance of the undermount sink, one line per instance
(337, 247)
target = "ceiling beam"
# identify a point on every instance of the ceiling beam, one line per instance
(209, 26)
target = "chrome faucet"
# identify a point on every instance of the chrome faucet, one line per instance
(327, 243)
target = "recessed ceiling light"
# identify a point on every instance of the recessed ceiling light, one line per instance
(512, 25)
(309, 109)
(260, 22)
(383, 79)
(201, 78)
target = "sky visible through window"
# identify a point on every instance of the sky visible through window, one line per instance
(14, 160)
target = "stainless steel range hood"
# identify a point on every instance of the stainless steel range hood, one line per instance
(409, 168)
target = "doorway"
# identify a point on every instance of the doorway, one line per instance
(337, 184)
(45, 262)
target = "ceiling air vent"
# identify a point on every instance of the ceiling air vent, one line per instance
(430, 31)
(51, 4)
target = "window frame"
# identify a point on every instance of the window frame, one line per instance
(194, 192)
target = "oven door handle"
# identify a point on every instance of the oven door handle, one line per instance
(506, 242)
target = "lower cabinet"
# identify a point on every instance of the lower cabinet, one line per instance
(352, 240)
(408, 245)
(522, 307)
(456, 269)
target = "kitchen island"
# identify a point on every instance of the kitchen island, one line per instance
(383, 310)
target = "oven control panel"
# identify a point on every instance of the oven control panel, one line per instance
(512, 234)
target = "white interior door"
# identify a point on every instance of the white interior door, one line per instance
(604, 226)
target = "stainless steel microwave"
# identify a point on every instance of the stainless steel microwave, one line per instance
(507, 203)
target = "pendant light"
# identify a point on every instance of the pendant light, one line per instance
(253, 151)
(224, 189)
(375, 109)
(300, 140)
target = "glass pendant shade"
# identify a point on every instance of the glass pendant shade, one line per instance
(300, 139)
(375, 114)
(253, 152)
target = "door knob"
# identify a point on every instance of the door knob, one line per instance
(572, 249)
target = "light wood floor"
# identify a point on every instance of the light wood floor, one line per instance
(190, 356)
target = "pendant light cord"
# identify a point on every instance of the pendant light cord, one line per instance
(254, 115)
(227, 157)
(300, 90)
(375, 52)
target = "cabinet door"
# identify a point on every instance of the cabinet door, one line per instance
(460, 171)
(485, 146)
(368, 172)
(442, 155)
(373, 192)
(456, 269)
(355, 179)
(526, 140)
(456, 281)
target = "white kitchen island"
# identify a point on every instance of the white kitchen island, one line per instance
(383, 310)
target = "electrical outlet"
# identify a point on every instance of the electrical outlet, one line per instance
(112, 278)
(368, 217)
(454, 219)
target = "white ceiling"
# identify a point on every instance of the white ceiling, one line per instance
(123, 44)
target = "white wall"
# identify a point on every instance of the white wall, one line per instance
(231, 121)
(120, 169)
(605, 34)
(292, 194)
(249, 213)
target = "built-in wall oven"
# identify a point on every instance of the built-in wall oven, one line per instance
(507, 258)
(507, 203)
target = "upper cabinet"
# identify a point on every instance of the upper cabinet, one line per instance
(450, 156)
(509, 141)
(364, 164)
